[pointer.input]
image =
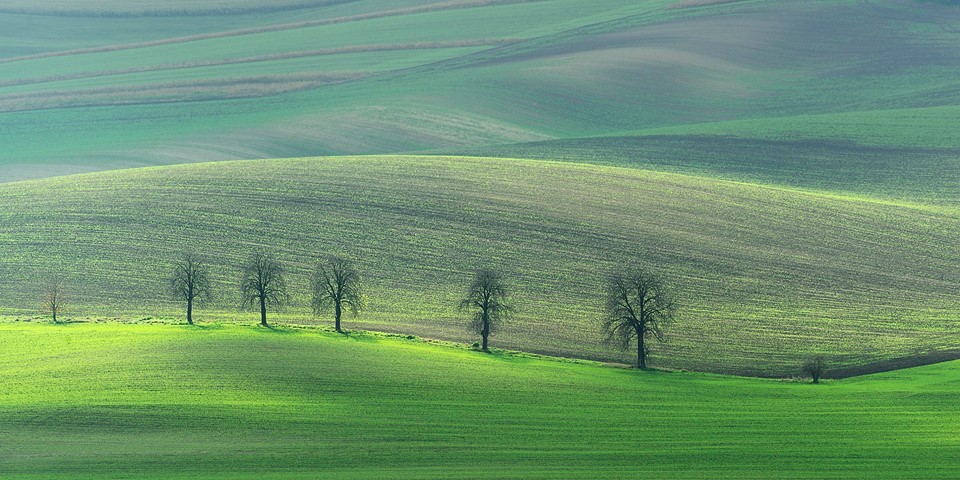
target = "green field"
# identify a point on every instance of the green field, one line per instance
(791, 169)
(766, 276)
(911, 172)
(160, 401)
(111, 84)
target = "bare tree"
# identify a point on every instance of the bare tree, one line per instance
(337, 284)
(814, 368)
(55, 297)
(638, 308)
(263, 284)
(190, 282)
(488, 300)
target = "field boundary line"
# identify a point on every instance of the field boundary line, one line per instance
(433, 7)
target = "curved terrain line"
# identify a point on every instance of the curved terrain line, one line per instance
(699, 3)
(839, 373)
(894, 364)
(267, 58)
(171, 92)
(170, 12)
(451, 5)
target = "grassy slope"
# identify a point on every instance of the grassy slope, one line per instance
(766, 276)
(570, 68)
(908, 154)
(149, 401)
(927, 127)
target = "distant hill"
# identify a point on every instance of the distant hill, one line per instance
(901, 155)
(116, 84)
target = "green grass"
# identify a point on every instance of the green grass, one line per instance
(910, 171)
(552, 69)
(161, 401)
(766, 276)
(821, 219)
(930, 127)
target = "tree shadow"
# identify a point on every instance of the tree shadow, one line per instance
(203, 326)
(68, 322)
(279, 329)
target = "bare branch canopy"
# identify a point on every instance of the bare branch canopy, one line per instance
(190, 282)
(336, 285)
(488, 299)
(638, 308)
(55, 297)
(263, 284)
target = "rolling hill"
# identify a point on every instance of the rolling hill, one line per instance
(791, 168)
(110, 85)
(161, 401)
(897, 155)
(766, 276)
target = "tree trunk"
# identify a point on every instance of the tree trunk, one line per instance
(641, 353)
(486, 331)
(190, 312)
(54, 311)
(337, 311)
(263, 312)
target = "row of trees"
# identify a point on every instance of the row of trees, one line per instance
(638, 305)
(336, 285)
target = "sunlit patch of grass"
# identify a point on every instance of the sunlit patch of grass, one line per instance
(162, 401)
